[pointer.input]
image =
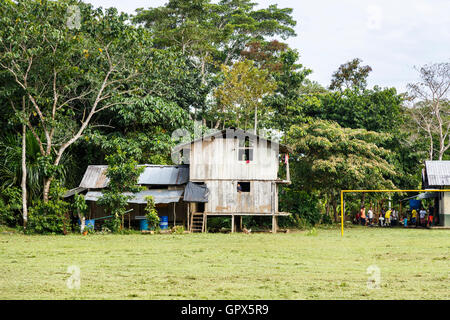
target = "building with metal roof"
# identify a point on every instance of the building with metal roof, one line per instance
(230, 172)
(436, 175)
(95, 176)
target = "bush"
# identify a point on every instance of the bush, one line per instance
(7, 215)
(11, 206)
(326, 219)
(49, 218)
(112, 224)
(303, 205)
(151, 214)
(217, 223)
(178, 230)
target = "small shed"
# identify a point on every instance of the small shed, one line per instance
(165, 183)
(436, 175)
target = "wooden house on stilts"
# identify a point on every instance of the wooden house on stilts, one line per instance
(230, 173)
(240, 171)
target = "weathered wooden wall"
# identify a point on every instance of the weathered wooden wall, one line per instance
(224, 197)
(218, 159)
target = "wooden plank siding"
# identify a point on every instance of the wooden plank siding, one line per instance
(225, 198)
(215, 162)
(218, 159)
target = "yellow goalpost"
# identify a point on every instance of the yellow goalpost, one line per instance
(380, 191)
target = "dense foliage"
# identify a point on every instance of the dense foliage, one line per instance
(123, 174)
(112, 88)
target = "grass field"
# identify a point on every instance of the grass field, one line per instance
(414, 264)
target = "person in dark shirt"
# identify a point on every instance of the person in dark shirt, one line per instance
(239, 188)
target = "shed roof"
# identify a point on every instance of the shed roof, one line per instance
(73, 191)
(436, 174)
(159, 196)
(95, 176)
(230, 133)
(164, 175)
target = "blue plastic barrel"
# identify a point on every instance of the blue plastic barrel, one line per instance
(164, 222)
(144, 224)
(406, 222)
(88, 223)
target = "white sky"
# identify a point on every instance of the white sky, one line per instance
(392, 36)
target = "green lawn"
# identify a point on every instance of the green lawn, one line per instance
(414, 264)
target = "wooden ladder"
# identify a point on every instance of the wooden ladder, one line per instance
(198, 222)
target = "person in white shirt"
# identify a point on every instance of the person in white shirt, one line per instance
(422, 214)
(370, 215)
(394, 216)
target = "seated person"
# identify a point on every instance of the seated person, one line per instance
(381, 218)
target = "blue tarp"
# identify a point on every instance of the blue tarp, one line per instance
(414, 204)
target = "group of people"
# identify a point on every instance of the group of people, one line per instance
(390, 217)
(426, 218)
(386, 218)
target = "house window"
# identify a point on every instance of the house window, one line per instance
(243, 186)
(245, 152)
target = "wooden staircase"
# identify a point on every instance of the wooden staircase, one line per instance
(198, 222)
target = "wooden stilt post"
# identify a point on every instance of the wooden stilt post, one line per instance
(274, 224)
(188, 220)
(174, 215)
(205, 224)
(232, 223)
(240, 223)
(192, 215)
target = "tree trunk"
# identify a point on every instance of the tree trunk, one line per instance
(431, 146)
(334, 205)
(47, 182)
(83, 221)
(24, 173)
(256, 119)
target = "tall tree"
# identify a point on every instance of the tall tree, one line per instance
(242, 91)
(23, 183)
(214, 33)
(68, 74)
(431, 105)
(330, 158)
(349, 75)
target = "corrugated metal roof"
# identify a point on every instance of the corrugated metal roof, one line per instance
(164, 175)
(95, 176)
(73, 191)
(231, 133)
(159, 195)
(437, 173)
